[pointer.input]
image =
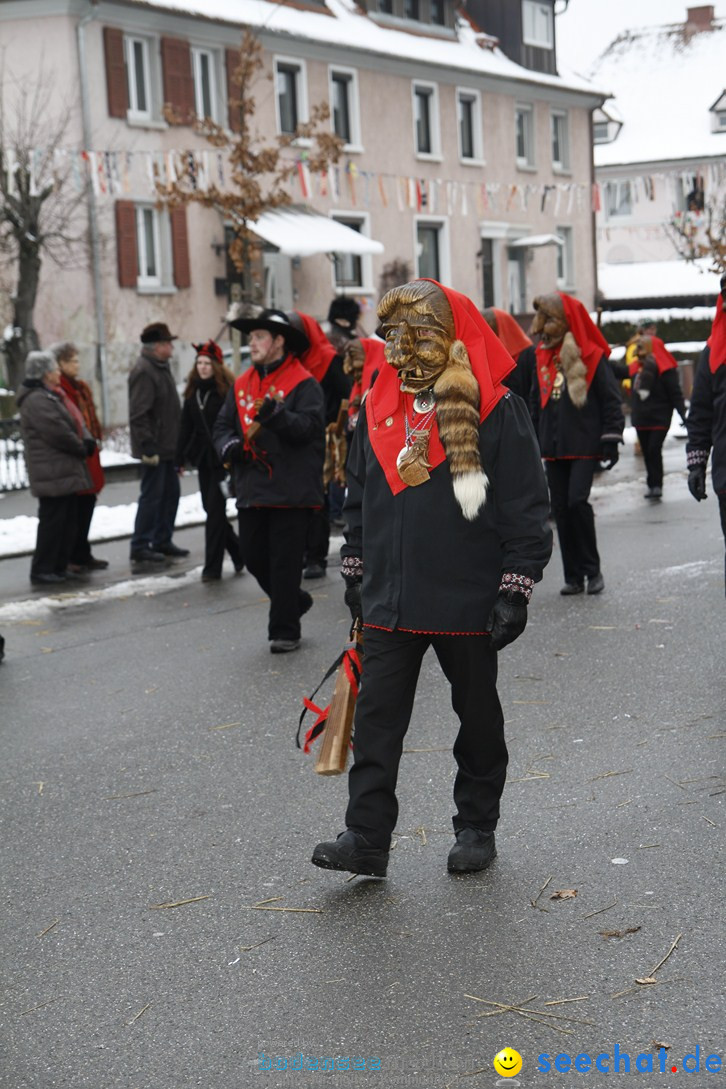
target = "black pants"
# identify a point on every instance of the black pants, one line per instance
(722, 512)
(81, 549)
(218, 532)
(56, 533)
(391, 666)
(570, 481)
(158, 502)
(273, 542)
(317, 543)
(651, 443)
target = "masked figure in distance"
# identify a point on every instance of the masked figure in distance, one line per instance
(578, 415)
(706, 421)
(447, 535)
(656, 392)
(519, 346)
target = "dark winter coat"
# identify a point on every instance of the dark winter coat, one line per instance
(154, 409)
(706, 421)
(199, 412)
(569, 432)
(290, 448)
(425, 567)
(520, 380)
(54, 453)
(336, 386)
(656, 411)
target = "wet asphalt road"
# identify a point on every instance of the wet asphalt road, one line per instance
(148, 758)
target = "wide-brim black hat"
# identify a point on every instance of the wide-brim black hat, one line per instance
(277, 323)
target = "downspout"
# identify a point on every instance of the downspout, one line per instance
(593, 213)
(101, 370)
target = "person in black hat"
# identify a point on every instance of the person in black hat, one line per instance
(271, 431)
(154, 417)
(343, 318)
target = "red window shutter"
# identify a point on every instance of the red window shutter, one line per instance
(180, 247)
(176, 62)
(128, 261)
(118, 95)
(231, 59)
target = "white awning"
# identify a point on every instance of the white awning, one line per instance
(300, 233)
(536, 240)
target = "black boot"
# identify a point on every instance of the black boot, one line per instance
(351, 851)
(473, 851)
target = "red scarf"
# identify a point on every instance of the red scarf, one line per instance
(279, 383)
(80, 394)
(663, 358)
(386, 404)
(320, 354)
(374, 361)
(510, 332)
(717, 340)
(590, 341)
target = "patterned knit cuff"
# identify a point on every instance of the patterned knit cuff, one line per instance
(352, 568)
(697, 457)
(521, 583)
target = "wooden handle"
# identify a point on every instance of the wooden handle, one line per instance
(333, 755)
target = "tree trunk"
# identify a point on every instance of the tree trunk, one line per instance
(23, 309)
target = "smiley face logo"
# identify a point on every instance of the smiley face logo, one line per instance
(508, 1062)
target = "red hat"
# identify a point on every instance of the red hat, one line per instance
(209, 348)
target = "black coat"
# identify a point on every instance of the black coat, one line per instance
(706, 421)
(525, 373)
(336, 386)
(656, 411)
(154, 409)
(569, 432)
(291, 446)
(199, 412)
(425, 567)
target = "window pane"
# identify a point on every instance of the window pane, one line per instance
(438, 15)
(428, 261)
(521, 135)
(411, 9)
(386, 6)
(287, 98)
(147, 246)
(140, 97)
(341, 106)
(348, 266)
(466, 127)
(487, 269)
(537, 24)
(423, 121)
(557, 139)
(205, 78)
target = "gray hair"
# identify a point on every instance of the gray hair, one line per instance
(39, 363)
(63, 350)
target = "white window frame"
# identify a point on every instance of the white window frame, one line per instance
(431, 91)
(198, 52)
(366, 262)
(351, 76)
(133, 112)
(533, 24)
(301, 90)
(561, 165)
(612, 206)
(565, 258)
(163, 282)
(442, 225)
(528, 160)
(471, 95)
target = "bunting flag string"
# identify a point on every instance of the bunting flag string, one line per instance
(138, 174)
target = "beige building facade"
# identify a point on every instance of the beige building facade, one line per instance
(458, 164)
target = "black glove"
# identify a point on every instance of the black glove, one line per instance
(234, 453)
(508, 618)
(268, 406)
(353, 600)
(610, 455)
(697, 482)
(89, 447)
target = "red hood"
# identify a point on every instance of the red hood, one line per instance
(511, 334)
(320, 354)
(717, 339)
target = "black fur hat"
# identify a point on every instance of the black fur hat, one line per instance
(344, 312)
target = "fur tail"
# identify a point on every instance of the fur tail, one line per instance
(457, 414)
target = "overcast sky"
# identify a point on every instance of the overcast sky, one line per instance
(588, 26)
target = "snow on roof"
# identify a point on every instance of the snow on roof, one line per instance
(342, 23)
(665, 82)
(657, 279)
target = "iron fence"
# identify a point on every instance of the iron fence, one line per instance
(13, 474)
